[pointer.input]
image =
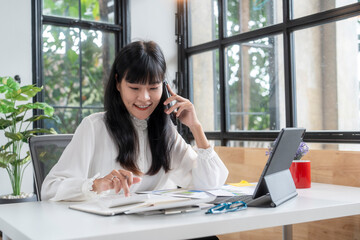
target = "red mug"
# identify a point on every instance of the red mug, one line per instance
(301, 173)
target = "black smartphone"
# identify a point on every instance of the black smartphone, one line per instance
(167, 106)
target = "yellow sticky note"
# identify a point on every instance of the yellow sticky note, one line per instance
(242, 183)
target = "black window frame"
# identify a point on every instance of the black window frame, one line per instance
(121, 29)
(286, 28)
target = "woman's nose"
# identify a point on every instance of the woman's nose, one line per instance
(144, 95)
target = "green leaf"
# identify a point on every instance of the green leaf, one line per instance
(30, 90)
(24, 93)
(39, 117)
(5, 123)
(10, 84)
(32, 132)
(14, 136)
(25, 159)
(72, 56)
(7, 158)
(48, 110)
(16, 96)
(4, 147)
(6, 106)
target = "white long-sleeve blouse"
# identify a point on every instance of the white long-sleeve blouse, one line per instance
(92, 153)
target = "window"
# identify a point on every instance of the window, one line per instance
(253, 67)
(76, 43)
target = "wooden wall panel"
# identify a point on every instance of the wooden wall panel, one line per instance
(327, 166)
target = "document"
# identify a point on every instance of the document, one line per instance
(137, 203)
(179, 192)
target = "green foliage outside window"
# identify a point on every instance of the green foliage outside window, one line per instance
(257, 54)
(76, 61)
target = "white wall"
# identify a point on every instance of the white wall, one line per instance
(15, 59)
(155, 20)
(150, 20)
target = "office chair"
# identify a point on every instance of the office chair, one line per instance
(45, 151)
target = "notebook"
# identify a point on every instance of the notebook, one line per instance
(137, 203)
(275, 185)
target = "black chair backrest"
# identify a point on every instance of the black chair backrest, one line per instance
(45, 152)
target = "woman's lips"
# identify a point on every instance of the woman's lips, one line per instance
(142, 107)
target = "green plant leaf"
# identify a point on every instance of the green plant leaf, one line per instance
(7, 158)
(5, 123)
(9, 84)
(48, 110)
(25, 159)
(39, 117)
(16, 96)
(32, 132)
(14, 136)
(72, 56)
(8, 144)
(6, 106)
(30, 90)
(24, 93)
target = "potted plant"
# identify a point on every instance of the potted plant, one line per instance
(17, 128)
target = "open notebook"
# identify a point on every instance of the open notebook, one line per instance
(138, 203)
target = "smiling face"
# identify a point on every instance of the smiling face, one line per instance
(140, 99)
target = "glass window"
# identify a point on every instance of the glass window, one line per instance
(61, 8)
(303, 8)
(61, 65)
(243, 16)
(93, 10)
(249, 144)
(204, 78)
(327, 68)
(273, 72)
(97, 58)
(203, 21)
(98, 10)
(76, 61)
(255, 85)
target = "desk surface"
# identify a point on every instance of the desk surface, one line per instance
(41, 220)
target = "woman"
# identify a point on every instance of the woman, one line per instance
(133, 145)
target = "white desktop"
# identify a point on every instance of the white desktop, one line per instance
(54, 220)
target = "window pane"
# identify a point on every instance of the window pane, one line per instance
(98, 10)
(61, 8)
(203, 21)
(204, 78)
(211, 142)
(97, 57)
(61, 65)
(327, 76)
(303, 8)
(249, 144)
(69, 117)
(243, 16)
(255, 85)
(333, 146)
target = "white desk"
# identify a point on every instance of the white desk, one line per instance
(46, 220)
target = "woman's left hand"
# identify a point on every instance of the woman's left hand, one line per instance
(183, 109)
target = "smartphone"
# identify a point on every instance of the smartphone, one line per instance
(172, 115)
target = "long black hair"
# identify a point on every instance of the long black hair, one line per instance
(139, 62)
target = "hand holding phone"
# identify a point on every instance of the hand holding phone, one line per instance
(167, 106)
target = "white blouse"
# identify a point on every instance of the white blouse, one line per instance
(92, 153)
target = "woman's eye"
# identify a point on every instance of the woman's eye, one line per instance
(133, 88)
(154, 88)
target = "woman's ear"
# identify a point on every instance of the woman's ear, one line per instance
(118, 86)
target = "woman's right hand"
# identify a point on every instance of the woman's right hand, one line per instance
(117, 180)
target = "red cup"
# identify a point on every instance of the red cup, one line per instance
(301, 173)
